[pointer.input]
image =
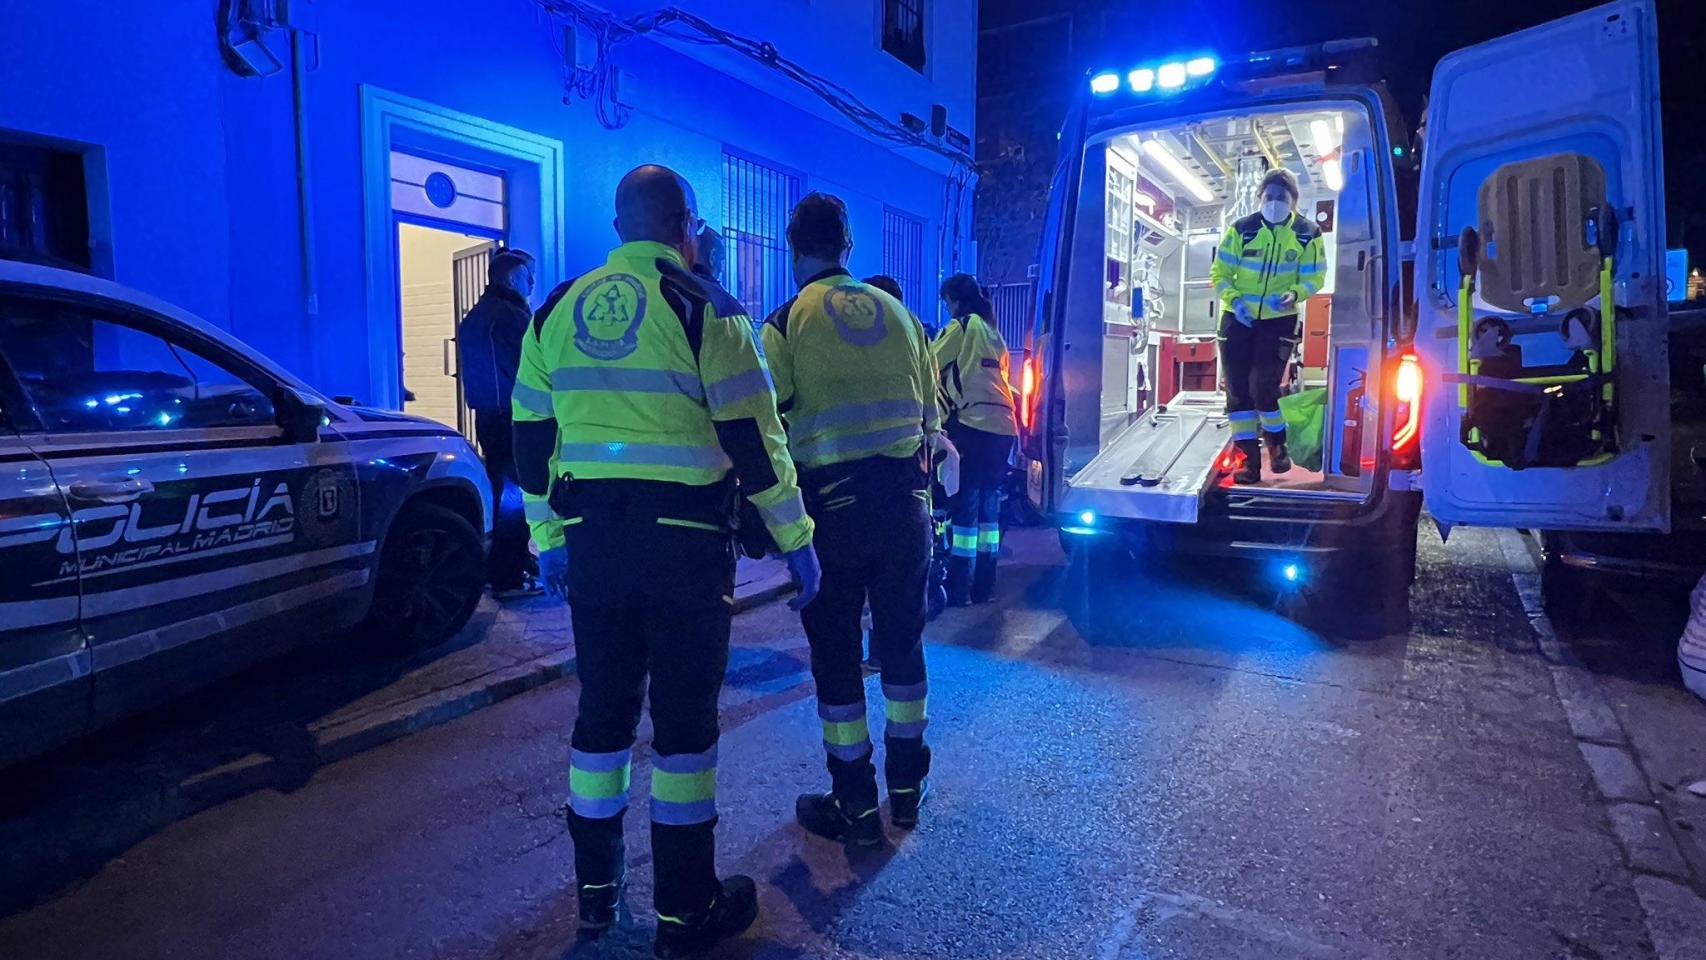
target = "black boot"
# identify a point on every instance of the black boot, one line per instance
(823, 815)
(694, 935)
(601, 907)
(1250, 473)
(904, 803)
(1279, 459)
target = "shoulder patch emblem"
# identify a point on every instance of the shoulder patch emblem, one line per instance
(858, 316)
(608, 315)
(1291, 256)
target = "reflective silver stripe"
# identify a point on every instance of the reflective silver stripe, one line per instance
(732, 390)
(139, 645)
(858, 443)
(533, 401)
(20, 682)
(201, 584)
(791, 510)
(537, 510)
(38, 613)
(650, 454)
(626, 380)
(855, 413)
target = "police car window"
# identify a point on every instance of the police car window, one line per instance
(84, 372)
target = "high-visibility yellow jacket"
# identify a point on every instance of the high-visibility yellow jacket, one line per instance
(1259, 262)
(652, 373)
(854, 373)
(973, 361)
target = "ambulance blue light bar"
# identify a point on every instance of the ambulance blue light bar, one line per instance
(1169, 77)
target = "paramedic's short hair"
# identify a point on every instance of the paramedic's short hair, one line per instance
(506, 262)
(1283, 177)
(818, 227)
(888, 285)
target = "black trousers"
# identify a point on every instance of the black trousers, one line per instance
(510, 560)
(651, 605)
(974, 514)
(873, 540)
(1254, 359)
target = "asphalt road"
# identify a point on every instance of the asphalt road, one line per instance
(1160, 770)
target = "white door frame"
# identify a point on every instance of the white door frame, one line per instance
(531, 162)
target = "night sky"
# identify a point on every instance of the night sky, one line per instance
(1413, 36)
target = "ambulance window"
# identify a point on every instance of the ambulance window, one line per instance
(85, 371)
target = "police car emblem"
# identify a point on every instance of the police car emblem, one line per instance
(608, 315)
(324, 507)
(858, 316)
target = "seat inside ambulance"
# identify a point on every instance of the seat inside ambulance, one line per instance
(1171, 192)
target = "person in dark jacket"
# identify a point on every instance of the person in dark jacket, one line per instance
(489, 342)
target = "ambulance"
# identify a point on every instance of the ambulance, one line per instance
(1490, 339)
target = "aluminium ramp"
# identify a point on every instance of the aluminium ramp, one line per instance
(1160, 467)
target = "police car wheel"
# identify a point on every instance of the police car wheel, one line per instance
(431, 574)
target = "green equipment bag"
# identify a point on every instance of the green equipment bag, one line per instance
(1305, 421)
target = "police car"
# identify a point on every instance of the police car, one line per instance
(175, 507)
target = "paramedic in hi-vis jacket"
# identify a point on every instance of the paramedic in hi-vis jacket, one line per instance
(1268, 264)
(640, 400)
(973, 361)
(855, 380)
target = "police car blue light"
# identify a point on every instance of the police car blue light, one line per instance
(1103, 84)
(1087, 518)
(1171, 76)
(1200, 66)
(1142, 80)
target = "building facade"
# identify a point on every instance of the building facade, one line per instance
(322, 179)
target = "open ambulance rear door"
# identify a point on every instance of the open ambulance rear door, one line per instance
(1542, 185)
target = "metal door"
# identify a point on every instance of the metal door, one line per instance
(468, 280)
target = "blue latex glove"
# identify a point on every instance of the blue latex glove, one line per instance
(1241, 312)
(554, 571)
(803, 565)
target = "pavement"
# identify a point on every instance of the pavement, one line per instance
(1160, 768)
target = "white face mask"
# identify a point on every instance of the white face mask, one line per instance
(1275, 211)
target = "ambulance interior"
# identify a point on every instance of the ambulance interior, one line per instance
(1169, 195)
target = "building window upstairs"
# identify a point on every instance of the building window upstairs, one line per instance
(903, 31)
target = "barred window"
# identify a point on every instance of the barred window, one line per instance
(903, 255)
(903, 31)
(757, 200)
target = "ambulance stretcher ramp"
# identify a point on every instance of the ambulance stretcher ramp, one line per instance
(1160, 467)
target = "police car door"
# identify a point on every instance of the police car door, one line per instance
(206, 537)
(1577, 100)
(44, 662)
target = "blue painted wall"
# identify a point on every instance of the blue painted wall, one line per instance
(199, 195)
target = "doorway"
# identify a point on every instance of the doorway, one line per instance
(434, 269)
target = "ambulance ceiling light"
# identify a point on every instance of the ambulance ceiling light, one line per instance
(1177, 170)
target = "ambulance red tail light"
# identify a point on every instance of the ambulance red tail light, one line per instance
(1407, 386)
(1027, 391)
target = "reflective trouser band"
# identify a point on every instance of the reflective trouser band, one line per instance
(684, 788)
(906, 710)
(598, 783)
(1272, 420)
(1243, 424)
(964, 542)
(845, 734)
(988, 537)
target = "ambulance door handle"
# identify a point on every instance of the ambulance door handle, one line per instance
(1376, 289)
(111, 491)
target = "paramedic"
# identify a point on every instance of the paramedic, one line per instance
(855, 380)
(1268, 264)
(978, 398)
(639, 401)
